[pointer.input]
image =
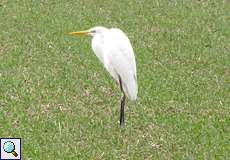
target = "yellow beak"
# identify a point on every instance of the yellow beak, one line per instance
(79, 33)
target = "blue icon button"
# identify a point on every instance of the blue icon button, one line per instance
(9, 147)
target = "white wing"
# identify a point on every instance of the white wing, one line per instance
(116, 53)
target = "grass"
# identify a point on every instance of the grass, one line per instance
(58, 98)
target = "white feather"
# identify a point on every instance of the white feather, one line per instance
(115, 51)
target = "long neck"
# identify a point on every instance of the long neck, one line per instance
(98, 46)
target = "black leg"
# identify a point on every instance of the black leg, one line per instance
(122, 112)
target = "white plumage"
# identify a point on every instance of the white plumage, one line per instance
(114, 50)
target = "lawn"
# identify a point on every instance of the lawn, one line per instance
(56, 95)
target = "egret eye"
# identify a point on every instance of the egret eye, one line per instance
(93, 31)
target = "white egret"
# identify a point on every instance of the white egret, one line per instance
(115, 51)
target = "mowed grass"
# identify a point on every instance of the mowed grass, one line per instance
(58, 98)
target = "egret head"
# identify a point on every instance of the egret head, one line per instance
(92, 31)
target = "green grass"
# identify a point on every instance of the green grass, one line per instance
(57, 97)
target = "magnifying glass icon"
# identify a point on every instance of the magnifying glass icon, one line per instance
(9, 147)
